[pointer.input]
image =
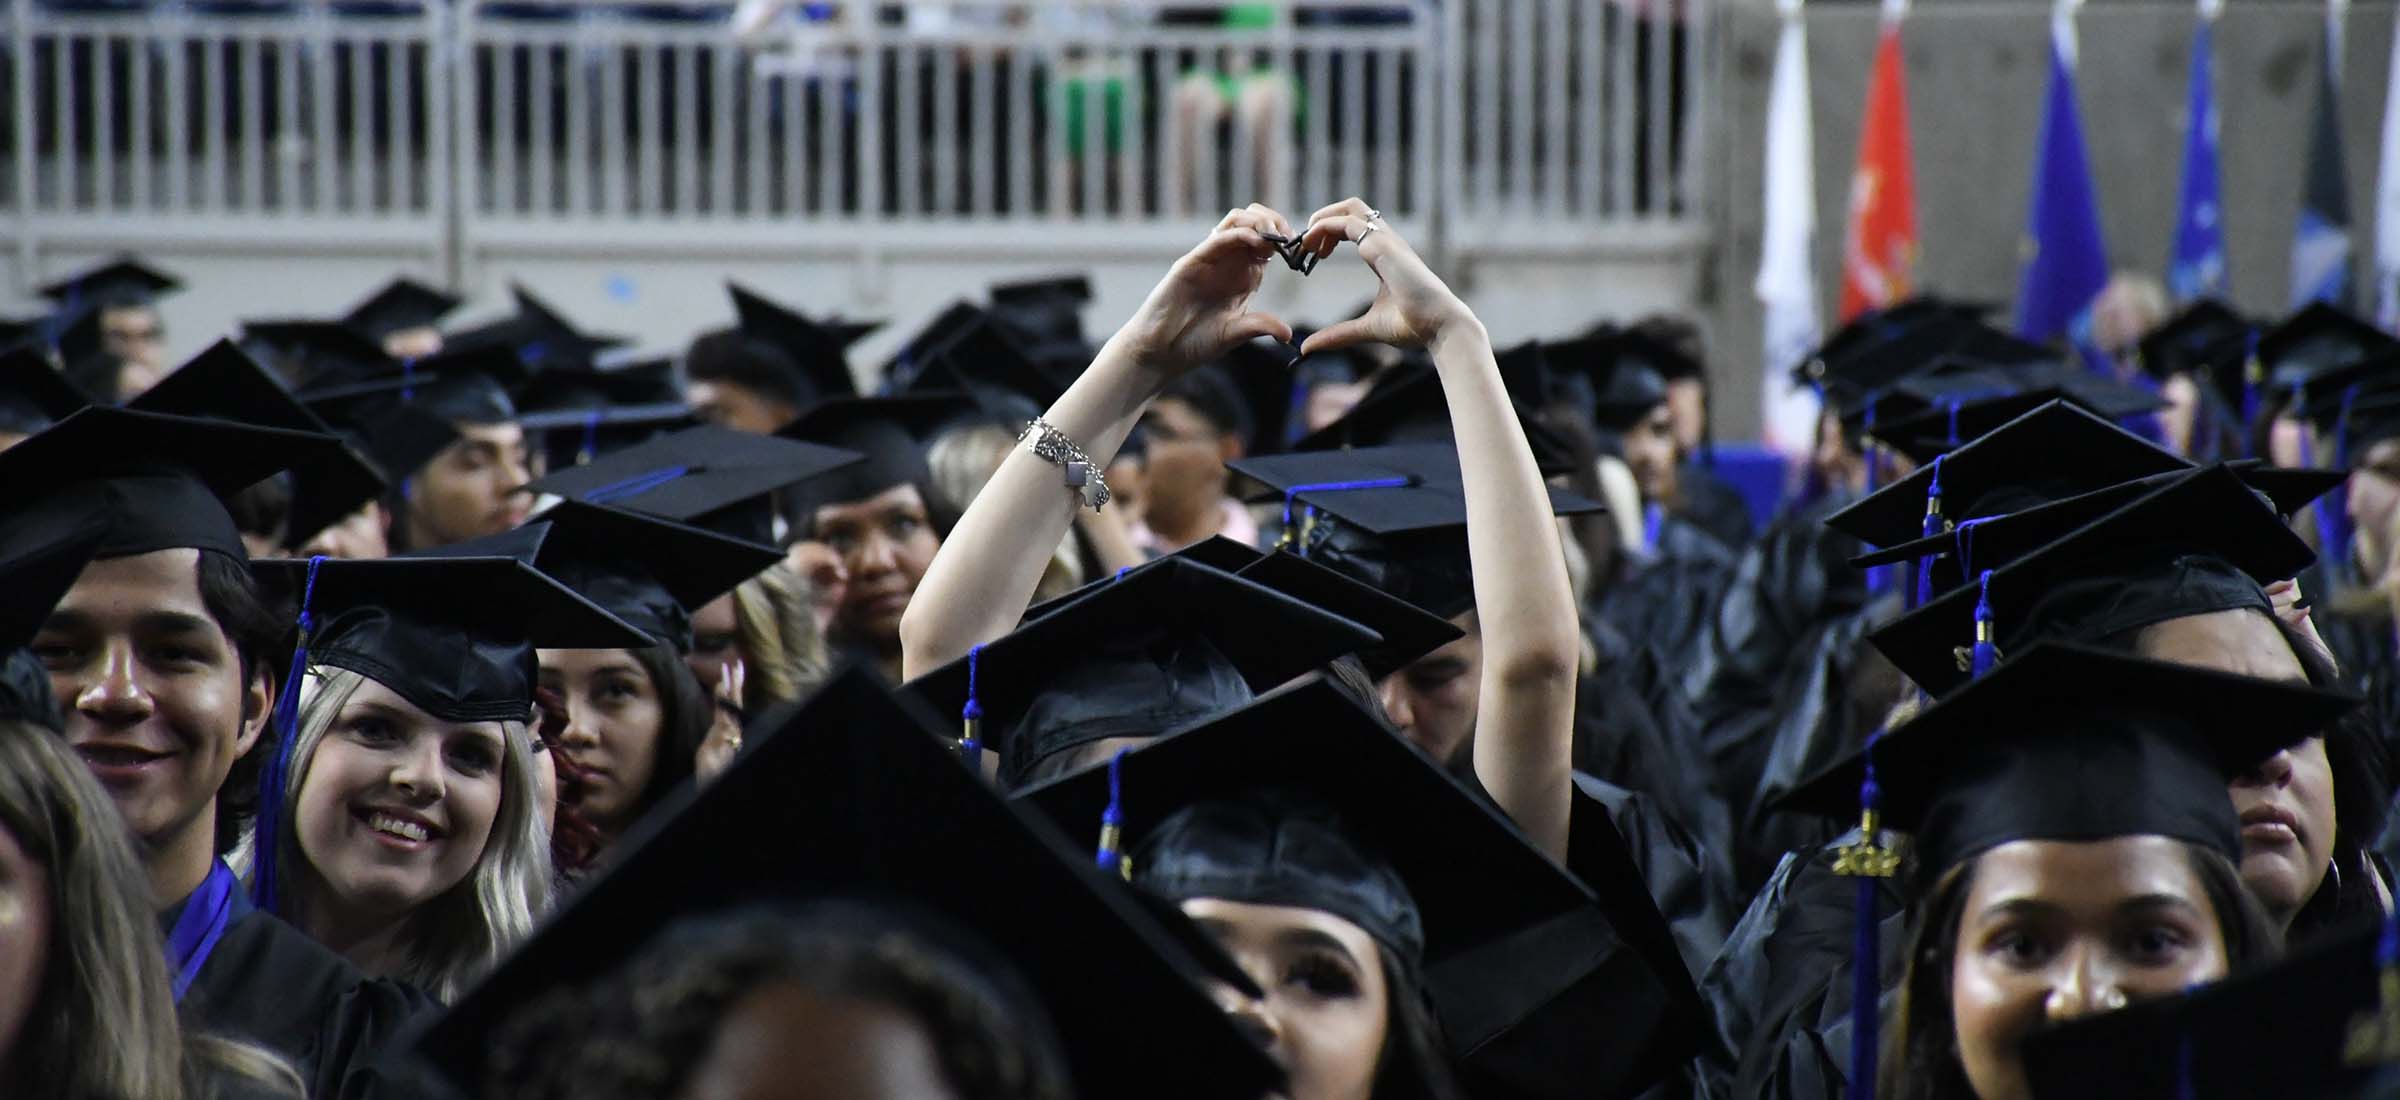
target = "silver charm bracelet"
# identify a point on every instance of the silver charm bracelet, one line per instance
(1081, 473)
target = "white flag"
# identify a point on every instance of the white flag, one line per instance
(1787, 282)
(2387, 203)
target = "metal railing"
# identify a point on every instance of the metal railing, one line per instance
(459, 127)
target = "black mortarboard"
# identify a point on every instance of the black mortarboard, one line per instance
(1406, 405)
(1305, 799)
(43, 549)
(33, 394)
(452, 631)
(892, 432)
(2317, 338)
(1865, 373)
(319, 353)
(1391, 517)
(2195, 339)
(585, 412)
(649, 571)
(224, 383)
(404, 303)
(809, 354)
(2072, 743)
(1045, 317)
(1006, 384)
(2205, 542)
(2324, 1012)
(536, 334)
(1615, 375)
(162, 478)
(1408, 631)
(1958, 418)
(399, 437)
(954, 321)
(1159, 647)
(2055, 451)
(1875, 327)
(889, 816)
(124, 281)
(2034, 519)
(707, 476)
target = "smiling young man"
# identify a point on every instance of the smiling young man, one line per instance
(160, 655)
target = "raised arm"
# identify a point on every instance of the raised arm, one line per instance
(1525, 714)
(980, 582)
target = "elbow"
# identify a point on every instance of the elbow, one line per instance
(1548, 667)
(920, 635)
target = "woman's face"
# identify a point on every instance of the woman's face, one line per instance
(2286, 804)
(615, 721)
(398, 805)
(24, 940)
(1326, 1013)
(361, 534)
(884, 543)
(471, 489)
(2054, 930)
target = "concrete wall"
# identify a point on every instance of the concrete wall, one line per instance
(1976, 71)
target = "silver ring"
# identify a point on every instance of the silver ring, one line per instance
(1371, 228)
(1374, 215)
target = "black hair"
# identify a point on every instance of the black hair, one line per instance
(1920, 1057)
(685, 714)
(734, 357)
(1415, 1064)
(1210, 392)
(265, 510)
(2362, 792)
(232, 598)
(641, 1030)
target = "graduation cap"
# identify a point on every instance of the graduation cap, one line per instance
(648, 571)
(2324, 1012)
(2195, 339)
(1866, 373)
(2203, 543)
(124, 281)
(955, 320)
(1957, 418)
(1163, 645)
(1615, 375)
(1392, 517)
(2067, 742)
(1406, 405)
(2315, 339)
(890, 818)
(891, 432)
(402, 304)
(320, 354)
(399, 437)
(467, 385)
(536, 334)
(1005, 383)
(224, 383)
(707, 476)
(1045, 316)
(809, 355)
(2055, 451)
(33, 394)
(160, 479)
(1875, 327)
(582, 413)
(44, 547)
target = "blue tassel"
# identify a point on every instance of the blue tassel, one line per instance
(284, 727)
(970, 742)
(1867, 860)
(1986, 654)
(1933, 526)
(591, 439)
(1111, 858)
(408, 378)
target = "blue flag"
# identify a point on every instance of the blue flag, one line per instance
(2198, 267)
(2321, 242)
(2066, 264)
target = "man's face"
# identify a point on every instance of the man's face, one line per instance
(136, 335)
(472, 488)
(1186, 463)
(1650, 453)
(153, 690)
(1434, 699)
(739, 407)
(1687, 407)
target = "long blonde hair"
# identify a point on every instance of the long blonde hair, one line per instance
(787, 653)
(456, 937)
(103, 1026)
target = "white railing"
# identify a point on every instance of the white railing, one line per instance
(466, 126)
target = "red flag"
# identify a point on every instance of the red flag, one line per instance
(1879, 245)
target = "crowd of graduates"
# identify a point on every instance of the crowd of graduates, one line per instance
(1212, 709)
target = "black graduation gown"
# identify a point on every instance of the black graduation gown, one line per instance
(1714, 505)
(268, 983)
(1597, 1003)
(1781, 989)
(1663, 603)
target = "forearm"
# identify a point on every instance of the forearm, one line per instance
(979, 584)
(1524, 602)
